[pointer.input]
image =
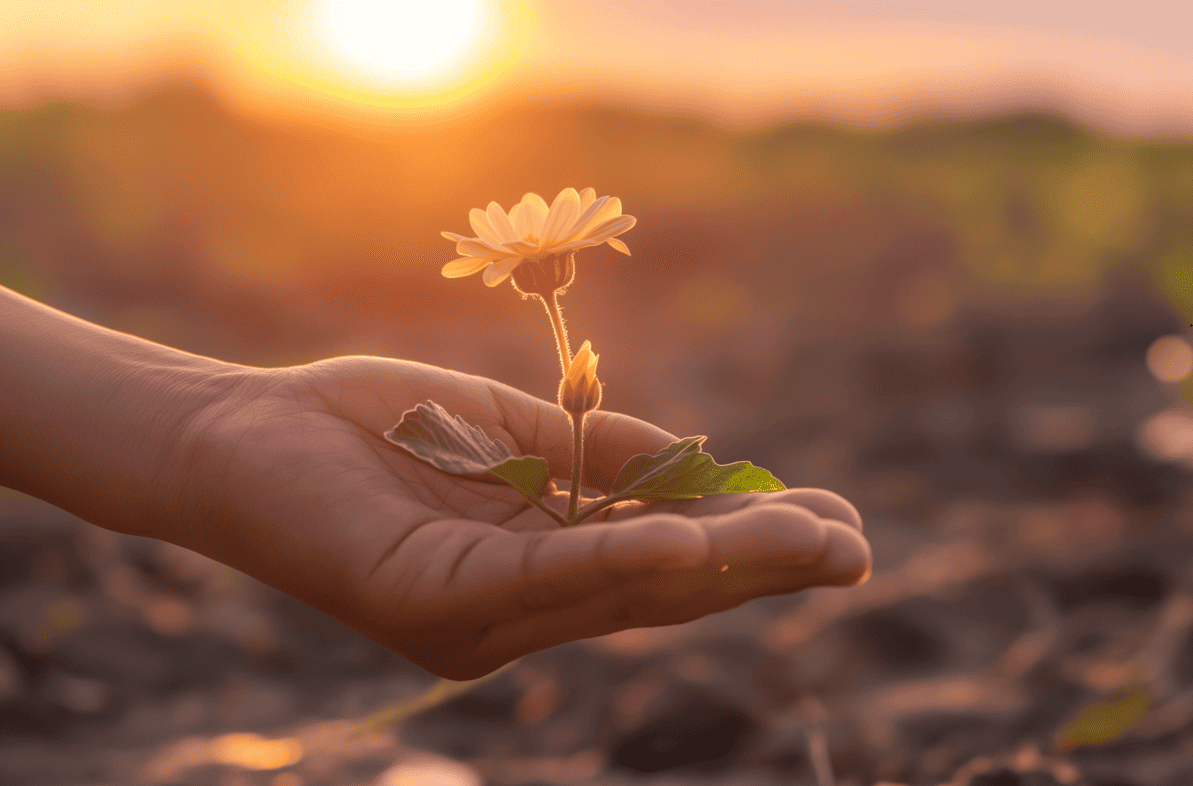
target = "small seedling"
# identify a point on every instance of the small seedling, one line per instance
(535, 247)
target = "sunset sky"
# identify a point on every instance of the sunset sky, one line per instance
(1127, 67)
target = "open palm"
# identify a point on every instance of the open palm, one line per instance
(296, 486)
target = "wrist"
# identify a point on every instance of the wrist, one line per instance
(176, 407)
(93, 417)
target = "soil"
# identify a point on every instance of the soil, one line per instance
(1029, 621)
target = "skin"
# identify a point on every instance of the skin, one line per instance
(283, 474)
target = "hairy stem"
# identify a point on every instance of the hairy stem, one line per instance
(551, 303)
(577, 463)
(561, 336)
(539, 504)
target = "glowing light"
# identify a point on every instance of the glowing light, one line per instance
(256, 753)
(1170, 358)
(430, 772)
(404, 41)
(1167, 435)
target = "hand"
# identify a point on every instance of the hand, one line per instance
(288, 478)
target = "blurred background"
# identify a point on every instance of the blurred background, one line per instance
(937, 257)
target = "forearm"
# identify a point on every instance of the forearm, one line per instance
(91, 417)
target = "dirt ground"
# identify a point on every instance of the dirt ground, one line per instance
(1029, 621)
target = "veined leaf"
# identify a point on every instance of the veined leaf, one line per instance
(679, 471)
(682, 471)
(449, 444)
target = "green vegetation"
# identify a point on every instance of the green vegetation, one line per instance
(173, 197)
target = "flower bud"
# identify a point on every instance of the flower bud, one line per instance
(580, 390)
(545, 276)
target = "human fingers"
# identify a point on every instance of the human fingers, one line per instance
(457, 579)
(655, 569)
(822, 502)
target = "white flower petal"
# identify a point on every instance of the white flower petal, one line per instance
(522, 248)
(534, 207)
(612, 209)
(563, 214)
(531, 229)
(611, 228)
(515, 212)
(464, 266)
(574, 245)
(622, 247)
(501, 223)
(480, 225)
(588, 219)
(475, 248)
(500, 271)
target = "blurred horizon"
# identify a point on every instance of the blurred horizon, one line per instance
(205, 176)
(181, 220)
(741, 65)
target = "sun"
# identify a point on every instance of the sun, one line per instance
(403, 41)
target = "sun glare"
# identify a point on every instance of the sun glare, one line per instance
(403, 41)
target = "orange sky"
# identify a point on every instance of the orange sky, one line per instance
(743, 63)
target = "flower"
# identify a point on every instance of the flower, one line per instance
(531, 231)
(580, 390)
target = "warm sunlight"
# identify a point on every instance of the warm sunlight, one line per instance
(403, 41)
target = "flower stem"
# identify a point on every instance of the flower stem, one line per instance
(551, 303)
(561, 336)
(577, 463)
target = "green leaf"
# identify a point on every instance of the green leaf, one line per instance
(449, 444)
(682, 471)
(528, 474)
(1105, 721)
